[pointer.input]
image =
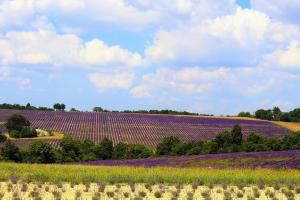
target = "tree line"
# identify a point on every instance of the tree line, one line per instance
(28, 106)
(274, 114)
(73, 150)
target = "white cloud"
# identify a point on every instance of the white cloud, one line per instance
(47, 47)
(186, 81)
(104, 81)
(15, 12)
(96, 52)
(289, 58)
(202, 82)
(140, 91)
(116, 14)
(240, 39)
(285, 10)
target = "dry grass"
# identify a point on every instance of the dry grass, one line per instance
(293, 126)
(55, 135)
(124, 191)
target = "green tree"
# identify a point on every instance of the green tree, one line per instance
(10, 152)
(70, 149)
(223, 139)
(73, 110)
(119, 152)
(2, 137)
(135, 151)
(276, 113)
(98, 109)
(264, 114)
(244, 114)
(57, 106)
(62, 107)
(41, 152)
(237, 136)
(16, 122)
(87, 150)
(104, 149)
(166, 146)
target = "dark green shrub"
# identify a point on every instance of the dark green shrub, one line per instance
(10, 152)
(166, 146)
(104, 149)
(70, 149)
(16, 122)
(41, 152)
(2, 137)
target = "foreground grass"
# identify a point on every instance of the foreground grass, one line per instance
(123, 174)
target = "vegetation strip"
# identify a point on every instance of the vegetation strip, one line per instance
(122, 174)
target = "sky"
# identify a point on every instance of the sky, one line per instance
(206, 56)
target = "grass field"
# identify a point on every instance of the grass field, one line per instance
(56, 182)
(123, 174)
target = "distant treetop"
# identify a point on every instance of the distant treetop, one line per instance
(21, 107)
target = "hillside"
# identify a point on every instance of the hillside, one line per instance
(135, 128)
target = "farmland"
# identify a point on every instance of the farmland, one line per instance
(136, 128)
(121, 182)
(270, 159)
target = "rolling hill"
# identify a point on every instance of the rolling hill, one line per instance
(135, 128)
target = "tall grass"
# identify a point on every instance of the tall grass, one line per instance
(78, 174)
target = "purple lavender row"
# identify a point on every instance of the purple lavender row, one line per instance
(270, 159)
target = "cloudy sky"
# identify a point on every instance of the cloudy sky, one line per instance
(206, 56)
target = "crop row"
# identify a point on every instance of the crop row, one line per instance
(138, 128)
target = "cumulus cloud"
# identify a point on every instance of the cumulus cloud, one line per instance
(16, 12)
(288, 58)
(198, 81)
(283, 10)
(48, 47)
(240, 39)
(116, 14)
(96, 52)
(104, 81)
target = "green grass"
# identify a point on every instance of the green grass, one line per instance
(122, 174)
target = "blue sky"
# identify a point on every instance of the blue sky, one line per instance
(217, 57)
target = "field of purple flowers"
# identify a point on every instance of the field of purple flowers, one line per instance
(271, 159)
(136, 128)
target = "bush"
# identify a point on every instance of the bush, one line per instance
(10, 152)
(119, 151)
(104, 149)
(41, 152)
(24, 133)
(16, 122)
(138, 151)
(70, 149)
(166, 146)
(2, 137)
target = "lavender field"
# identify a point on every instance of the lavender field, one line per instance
(136, 128)
(271, 159)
